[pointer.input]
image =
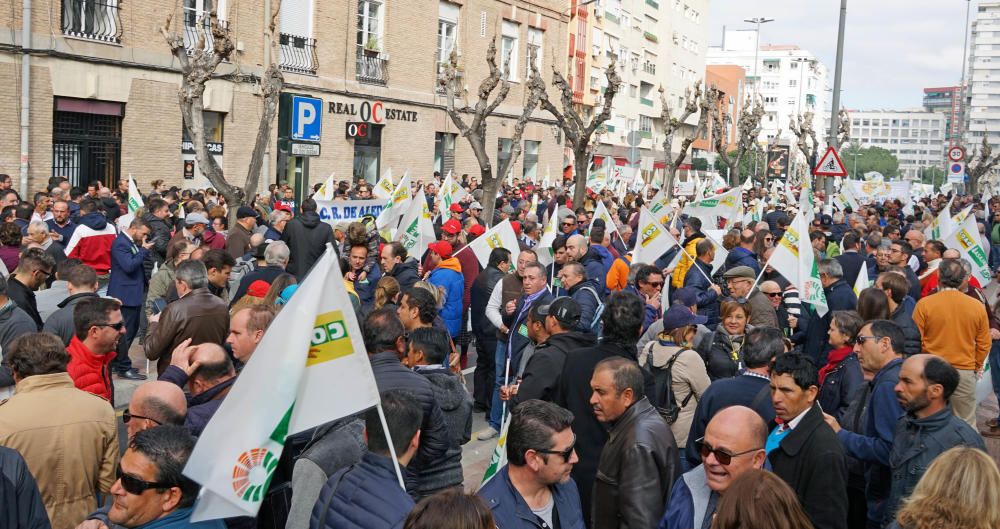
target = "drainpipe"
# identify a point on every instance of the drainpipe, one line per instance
(265, 166)
(25, 92)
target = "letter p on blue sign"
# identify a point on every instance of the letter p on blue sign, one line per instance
(307, 118)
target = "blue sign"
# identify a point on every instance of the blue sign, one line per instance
(307, 118)
(337, 211)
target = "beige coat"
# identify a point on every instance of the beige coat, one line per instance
(69, 439)
(689, 377)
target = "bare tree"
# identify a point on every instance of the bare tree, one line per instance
(695, 101)
(197, 68)
(578, 133)
(747, 131)
(475, 131)
(802, 127)
(984, 160)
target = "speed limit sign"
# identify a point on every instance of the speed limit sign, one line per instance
(956, 154)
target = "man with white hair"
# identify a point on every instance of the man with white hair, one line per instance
(276, 224)
(275, 259)
(38, 232)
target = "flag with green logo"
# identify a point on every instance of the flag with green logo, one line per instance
(416, 231)
(499, 459)
(309, 368)
(383, 188)
(451, 193)
(134, 196)
(966, 239)
(794, 259)
(396, 207)
(942, 225)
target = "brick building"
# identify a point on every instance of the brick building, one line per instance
(103, 87)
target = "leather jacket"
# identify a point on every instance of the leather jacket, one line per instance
(200, 315)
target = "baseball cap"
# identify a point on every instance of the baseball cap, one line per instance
(195, 218)
(678, 316)
(456, 207)
(739, 271)
(564, 309)
(245, 212)
(442, 248)
(477, 230)
(476, 205)
(283, 207)
(258, 288)
(451, 227)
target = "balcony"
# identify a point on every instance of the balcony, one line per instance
(194, 27)
(653, 4)
(92, 20)
(645, 101)
(650, 37)
(372, 67)
(611, 17)
(649, 67)
(297, 54)
(646, 134)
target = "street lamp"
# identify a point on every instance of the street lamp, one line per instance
(756, 50)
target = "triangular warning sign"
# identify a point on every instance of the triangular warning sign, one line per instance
(830, 164)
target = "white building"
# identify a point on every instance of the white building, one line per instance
(789, 80)
(915, 137)
(983, 89)
(657, 43)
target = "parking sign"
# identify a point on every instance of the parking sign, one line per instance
(307, 118)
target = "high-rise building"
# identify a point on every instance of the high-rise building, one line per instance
(948, 101)
(914, 137)
(983, 85)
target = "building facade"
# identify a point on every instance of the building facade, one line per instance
(947, 100)
(916, 138)
(103, 88)
(983, 89)
(731, 81)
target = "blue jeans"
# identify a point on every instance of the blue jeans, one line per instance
(994, 362)
(994, 256)
(500, 357)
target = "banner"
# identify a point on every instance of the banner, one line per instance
(310, 368)
(334, 212)
(500, 236)
(794, 259)
(416, 231)
(684, 188)
(966, 240)
(871, 191)
(653, 240)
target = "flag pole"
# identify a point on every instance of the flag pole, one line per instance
(506, 382)
(392, 449)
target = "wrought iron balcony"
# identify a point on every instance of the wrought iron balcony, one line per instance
(92, 19)
(194, 27)
(372, 67)
(298, 54)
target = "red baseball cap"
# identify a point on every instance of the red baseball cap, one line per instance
(456, 207)
(283, 207)
(442, 248)
(477, 230)
(451, 227)
(517, 227)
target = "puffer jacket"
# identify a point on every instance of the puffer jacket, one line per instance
(90, 372)
(91, 242)
(587, 295)
(390, 374)
(365, 495)
(593, 263)
(638, 465)
(456, 404)
(405, 274)
(306, 236)
(723, 353)
(23, 507)
(740, 256)
(448, 275)
(916, 443)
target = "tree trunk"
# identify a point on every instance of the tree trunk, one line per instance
(581, 169)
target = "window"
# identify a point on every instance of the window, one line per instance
(296, 47)
(197, 23)
(447, 31)
(370, 15)
(503, 152)
(92, 19)
(792, 83)
(645, 124)
(534, 48)
(508, 47)
(444, 152)
(86, 140)
(794, 65)
(633, 91)
(530, 170)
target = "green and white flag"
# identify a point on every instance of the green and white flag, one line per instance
(794, 259)
(134, 197)
(653, 240)
(325, 191)
(396, 207)
(965, 238)
(416, 231)
(659, 206)
(309, 368)
(544, 248)
(725, 206)
(451, 193)
(499, 459)
(942, 225)
(383, 188)
(601, 212)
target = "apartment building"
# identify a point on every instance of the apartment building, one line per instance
(983, 88)
(947, 100)
(916, 138)
(103, 88)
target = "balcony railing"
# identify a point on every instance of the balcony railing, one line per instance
(194, 27)
(298, 54)
(612, 17)
(645, 101)
(649, 67)
(92, 19)
(372, 67)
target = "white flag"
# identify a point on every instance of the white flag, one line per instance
(416, 231)
(500, 236)
(396, 206)
(451, 193)
(325, 191)
(384, 188)
(544, 247)
(966, 240)
(653, 241)
(862, 282)
(794, 259)
(942, 225)
(721, 253)
(601, 212)
(659, 206)
(310, 368)
(725, 206)
(134, 197)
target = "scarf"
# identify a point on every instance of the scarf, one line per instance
(834, 359)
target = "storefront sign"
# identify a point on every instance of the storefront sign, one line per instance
(189, 169)
(372, 111)
(337, 211)
(187, 147)
(305, 149)
(357, 129)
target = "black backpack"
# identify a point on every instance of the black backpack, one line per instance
(663, 394)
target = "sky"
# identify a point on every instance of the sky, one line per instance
(893, 49)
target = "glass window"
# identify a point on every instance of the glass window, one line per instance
(370, 24)
(508, 47)
(534, 48)
(447, 31)
(530, 170)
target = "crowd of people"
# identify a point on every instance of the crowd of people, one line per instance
(682, 393)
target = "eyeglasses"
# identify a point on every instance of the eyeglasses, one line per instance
(45, 273)
(768, 239)
(861, 339)
(128, 416)
(723, 457)
(116, 326)
(566, 454)
(773, 294)
(739, 301)
(655, 284)
(134, 485)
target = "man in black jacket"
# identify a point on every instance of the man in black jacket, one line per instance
(396, 263)
(22, 503)
(586, 293)
(803, 450)
(851, 260)
(306, 236)
(839, 296)
(639, 463)
(486, 332)
(385, 343)
(156, 216)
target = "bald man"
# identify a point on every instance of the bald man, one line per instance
(733, 443)
(208, 373)
(154, 404)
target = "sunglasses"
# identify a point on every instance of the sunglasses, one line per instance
(569, 224)
(723, 457)
(655, 284)
(566, 454)
(861, 339)
(134, 485)
(128, 416)
(768, 239)
(738, 301)
(773, 294)
(116, 326)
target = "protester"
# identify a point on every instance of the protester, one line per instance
(584, 291)
(161, 282)
(698, 278)
(484, 329)
(306, 236)
(128, 284)
(22, 502)
(246, 329)
(722, 349)
(759, 500)
(31, 273)
(941, 500)
(396, 263)
(740, 282)
(14, 321)
(99, 327)
(839, 296)
(445, 272)
(841, 377)
(207, 373)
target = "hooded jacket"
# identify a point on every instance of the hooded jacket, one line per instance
(593, 263)
(740, 256)
(448, 275)
(306, 236)
(456, 404)
(90, 372)
(91, 242)
(677, 279)
(405, 274)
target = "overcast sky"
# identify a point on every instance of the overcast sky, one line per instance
(893, 49)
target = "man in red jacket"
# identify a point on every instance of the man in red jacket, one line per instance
(99, 325)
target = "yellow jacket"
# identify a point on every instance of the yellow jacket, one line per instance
(677, 278)
(69, 440)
